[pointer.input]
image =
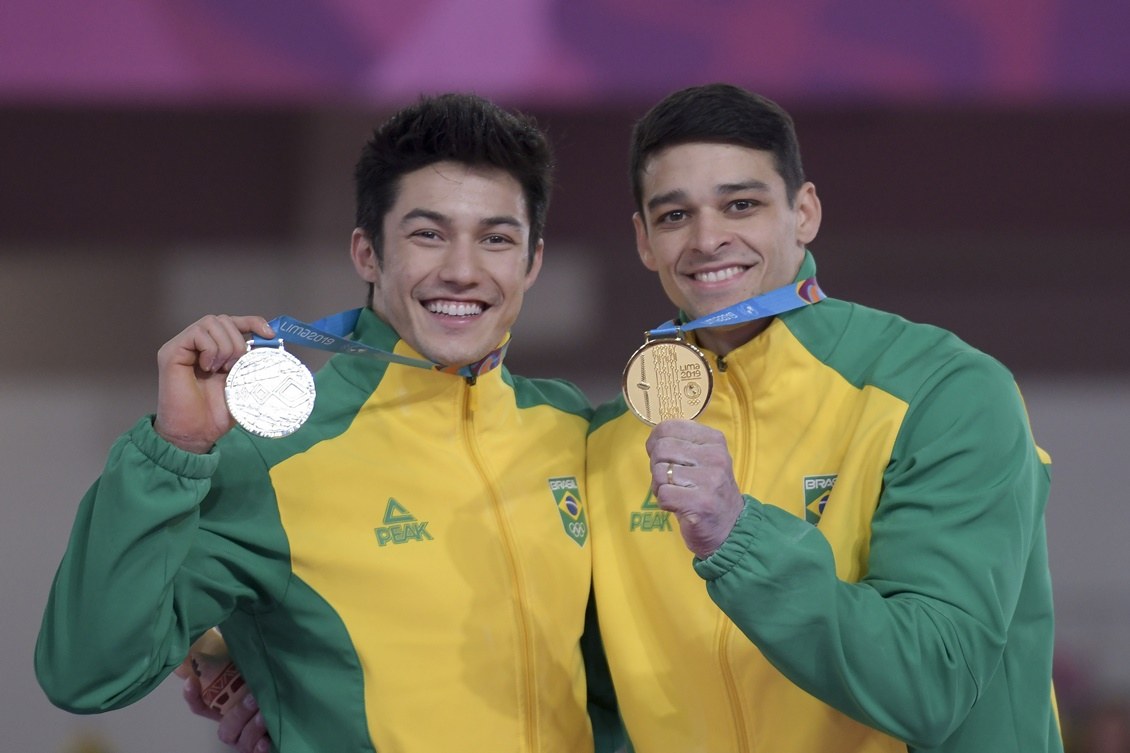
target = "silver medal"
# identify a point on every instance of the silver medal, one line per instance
(269, 392)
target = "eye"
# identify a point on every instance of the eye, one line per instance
(498, 239)
(674, 216)
(427, 237)
(743, 205)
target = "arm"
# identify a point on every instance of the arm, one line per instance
(139, 580)
(909, 648)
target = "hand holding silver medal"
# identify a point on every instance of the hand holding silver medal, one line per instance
(271, 393)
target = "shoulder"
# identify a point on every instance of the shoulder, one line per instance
(608, 412)
(953, 395)
(873, 348)
(554, 393)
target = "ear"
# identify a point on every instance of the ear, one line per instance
(535, 264)
(643, 242)
(808, 214)
(364, 256)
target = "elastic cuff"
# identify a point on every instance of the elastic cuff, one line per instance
(170, 457)
(735, 546)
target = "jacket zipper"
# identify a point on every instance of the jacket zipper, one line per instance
(726, 630)
(525, 661)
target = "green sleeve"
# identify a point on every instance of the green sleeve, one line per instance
(907, 649)
(145, 572)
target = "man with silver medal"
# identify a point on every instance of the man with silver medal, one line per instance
(360, 593)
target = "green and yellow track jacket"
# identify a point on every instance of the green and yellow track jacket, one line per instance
(886, 588)
(407, 572)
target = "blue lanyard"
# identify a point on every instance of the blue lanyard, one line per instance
(785, 298)
(329, 333)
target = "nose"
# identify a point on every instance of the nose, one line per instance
(710, 233)
(459, 264)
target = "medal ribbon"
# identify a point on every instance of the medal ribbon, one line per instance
(785, 298)
(329, 333)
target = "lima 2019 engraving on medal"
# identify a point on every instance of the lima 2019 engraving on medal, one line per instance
(269, 392)
(667, 378)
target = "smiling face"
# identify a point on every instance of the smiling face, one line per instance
(718, 228)
(456, 261)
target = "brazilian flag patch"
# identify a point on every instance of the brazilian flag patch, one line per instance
(817, 490)
(567, 496)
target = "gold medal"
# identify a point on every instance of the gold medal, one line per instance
(221, 684)
(269, 392)
(667, 378)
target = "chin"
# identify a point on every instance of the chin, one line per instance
(457, 357)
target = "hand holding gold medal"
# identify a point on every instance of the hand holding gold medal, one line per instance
(668, 382)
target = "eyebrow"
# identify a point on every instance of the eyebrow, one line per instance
(502, 219)
(723, 189)
(442, 219)
(671, 197)
(426, 214)
(748, 185)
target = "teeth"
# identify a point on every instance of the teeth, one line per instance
(455, 308)
(718, 275)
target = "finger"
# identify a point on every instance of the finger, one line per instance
(238, 329)
(253, 734)
(254, 737)
(195, 701)
(678, 428)
(236, 720)
(683, 438)
(672, 444)
(675, 496)
(205, 344)
(658, 474)
(231, 339)
(184, 670)
(215, 342)
(253, 324)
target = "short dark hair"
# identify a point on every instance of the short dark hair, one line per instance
(721, 114)
(462, 128)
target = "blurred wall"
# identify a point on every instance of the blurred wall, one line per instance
(119, 225)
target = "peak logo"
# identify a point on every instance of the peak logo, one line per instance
(649, 517)
(567, 496)
(401, 526)
(817, 490)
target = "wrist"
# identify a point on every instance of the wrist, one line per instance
(181, 442)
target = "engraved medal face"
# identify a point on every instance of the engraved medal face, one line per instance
(667, 378)
(269, 392)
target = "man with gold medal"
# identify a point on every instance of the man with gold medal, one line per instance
(861, 497)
